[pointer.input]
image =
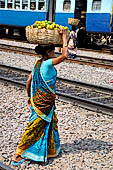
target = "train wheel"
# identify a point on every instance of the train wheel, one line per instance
(98, 39)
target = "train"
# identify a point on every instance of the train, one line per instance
(95, 16)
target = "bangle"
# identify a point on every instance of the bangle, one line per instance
(28, 97)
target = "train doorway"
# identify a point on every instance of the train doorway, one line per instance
(80, 14)
(80, 11)
(51, 5)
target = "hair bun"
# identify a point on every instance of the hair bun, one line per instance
(39, 49)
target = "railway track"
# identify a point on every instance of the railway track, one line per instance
(4, 167)
(92, 61)
(91, 48)
(106, 50)
(98, 98)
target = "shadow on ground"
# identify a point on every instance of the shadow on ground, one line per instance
(84, 145)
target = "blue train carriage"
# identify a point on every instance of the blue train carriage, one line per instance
(20, 13)
(99, 21)
(64, 10)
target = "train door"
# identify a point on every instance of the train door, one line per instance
(80, 14)
(51, 5)
(64, 10)
(80, 11)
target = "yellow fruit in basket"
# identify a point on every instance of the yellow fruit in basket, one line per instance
(43, 25)
(66, 28)
(47, 27)
(55, 28)
(43, 22)
(61, 26)
(36, 22)
(35, 25)
(52, 26)
(39, 27)
(49, 22)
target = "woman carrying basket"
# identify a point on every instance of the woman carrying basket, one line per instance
(41, 138)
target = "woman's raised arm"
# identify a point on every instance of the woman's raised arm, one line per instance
(64, 54)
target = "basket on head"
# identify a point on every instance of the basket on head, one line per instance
(73, 22)
(43, 36)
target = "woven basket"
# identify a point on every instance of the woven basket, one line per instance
(43, 36)
(72, 21)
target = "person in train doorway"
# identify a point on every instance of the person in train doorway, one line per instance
(72, 43)
(40, 140)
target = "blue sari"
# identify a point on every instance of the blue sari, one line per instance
(41, 138)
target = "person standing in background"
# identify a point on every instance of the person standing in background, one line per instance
(72, 44)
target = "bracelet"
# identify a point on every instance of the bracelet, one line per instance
(28, 97)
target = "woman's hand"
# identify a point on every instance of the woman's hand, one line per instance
(62, 31)
(64, 37)
(64, 54)
(28, 102)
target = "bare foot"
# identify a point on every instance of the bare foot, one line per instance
(17, 158)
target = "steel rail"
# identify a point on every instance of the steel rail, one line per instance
(4, 167)
(87, 61)
(90, 47)
(17, 49)
(102, 50)
(92, 105)
(105, 63)
(74, 82)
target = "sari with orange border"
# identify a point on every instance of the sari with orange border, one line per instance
(41, 138)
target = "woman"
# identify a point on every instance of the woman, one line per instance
(41, 138)
(72, 44)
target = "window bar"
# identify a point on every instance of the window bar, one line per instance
(28, 4)
(6, 4)
(13, 6)
(36, 5)
(20, 4)
(45, 6)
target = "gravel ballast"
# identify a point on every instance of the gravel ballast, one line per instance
(99, 76)
(86, 136)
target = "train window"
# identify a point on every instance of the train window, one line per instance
(9, 4)
(96, 5)
(41, 5)
(2, 3)
(17, 4)
(33, 4)
(25, 4)
(67, 5)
